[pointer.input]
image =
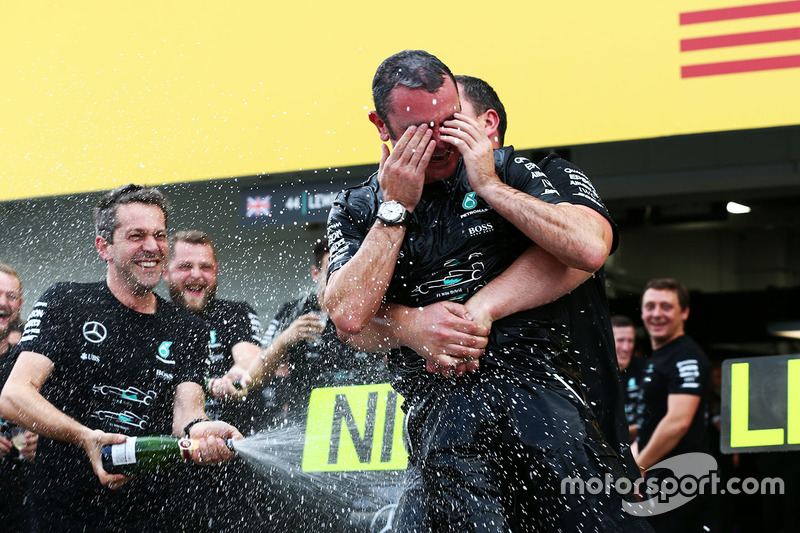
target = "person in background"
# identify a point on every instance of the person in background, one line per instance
(306, 342)
(674, 419)
(103, 361)
(220, 498)
(14, 462)
(631, 369)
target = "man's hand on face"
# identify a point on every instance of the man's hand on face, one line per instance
(401, 174)
(446, 336)
(476, 149)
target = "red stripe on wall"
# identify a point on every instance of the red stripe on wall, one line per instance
(739, 39)
(740, 12)
(734, 67)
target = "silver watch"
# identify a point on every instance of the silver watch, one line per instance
(392, 213)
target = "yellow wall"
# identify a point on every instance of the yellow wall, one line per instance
(96, 93)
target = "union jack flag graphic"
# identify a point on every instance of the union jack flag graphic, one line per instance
(258, 206)
(774, 22)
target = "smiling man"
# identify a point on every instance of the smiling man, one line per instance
(673, 387)
(217, 499)
(85, 347)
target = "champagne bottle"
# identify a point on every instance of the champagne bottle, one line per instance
(138, 455)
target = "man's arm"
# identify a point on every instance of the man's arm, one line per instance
(22, 403)
(189, 406)
(247, 363)
(681, 409)
(449, 335)
(544, 277)
(263, 368)
(576, 235)
(355, 291)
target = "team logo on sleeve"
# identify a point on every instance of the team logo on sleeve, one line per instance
(94, 332)
(164, 353)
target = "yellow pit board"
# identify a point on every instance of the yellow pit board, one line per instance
(760, 408)
(354, 428)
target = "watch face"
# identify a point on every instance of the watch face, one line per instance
(392, 210)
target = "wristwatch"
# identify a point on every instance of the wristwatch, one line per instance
(392, 213)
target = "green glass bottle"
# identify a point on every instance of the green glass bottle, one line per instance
(138, 455)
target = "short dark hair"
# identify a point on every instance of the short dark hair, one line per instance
(192, 236)
(621, 321)
(669, 284)
(414, 69)
(483, 98)
(11, 272)
(318, 252)
(105, 212)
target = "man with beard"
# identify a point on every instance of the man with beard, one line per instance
(492, 440)
(14, 504)
(235, 328)
(218, 499)
(103, 361)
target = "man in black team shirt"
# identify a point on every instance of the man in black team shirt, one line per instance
(14, 471)
(235, 329)
(102, 361)
(218, 499)
(492, 438)
(591, 338)
(306, 341)
(673, 393)
(631, 369)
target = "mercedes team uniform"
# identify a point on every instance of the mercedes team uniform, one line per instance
(328, 362)
(591, 337)
(492, 446)
(116, 370)
(222, 497)
(231, 323)
(679, 367)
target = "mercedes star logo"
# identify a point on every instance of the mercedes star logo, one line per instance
(94, 332)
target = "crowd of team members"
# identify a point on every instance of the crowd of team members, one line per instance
(99, 361)
(253, 379)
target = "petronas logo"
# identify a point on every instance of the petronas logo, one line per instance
(469, 201)
(164, 353)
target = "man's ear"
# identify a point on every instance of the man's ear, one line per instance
(102, 247)
(383, 129)
(491, 124)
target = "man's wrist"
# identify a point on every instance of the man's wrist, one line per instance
(187, 430)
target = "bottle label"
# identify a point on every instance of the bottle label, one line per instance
(125, 453)
(187, 446)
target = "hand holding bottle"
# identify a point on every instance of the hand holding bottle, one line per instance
(212, 448)
(230, 387)
(92, 443)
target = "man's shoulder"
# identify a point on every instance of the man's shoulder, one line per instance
(368, 189)
(681, 351)
(231, 307)
(64, 291)
(683, 344)
(180, 317)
